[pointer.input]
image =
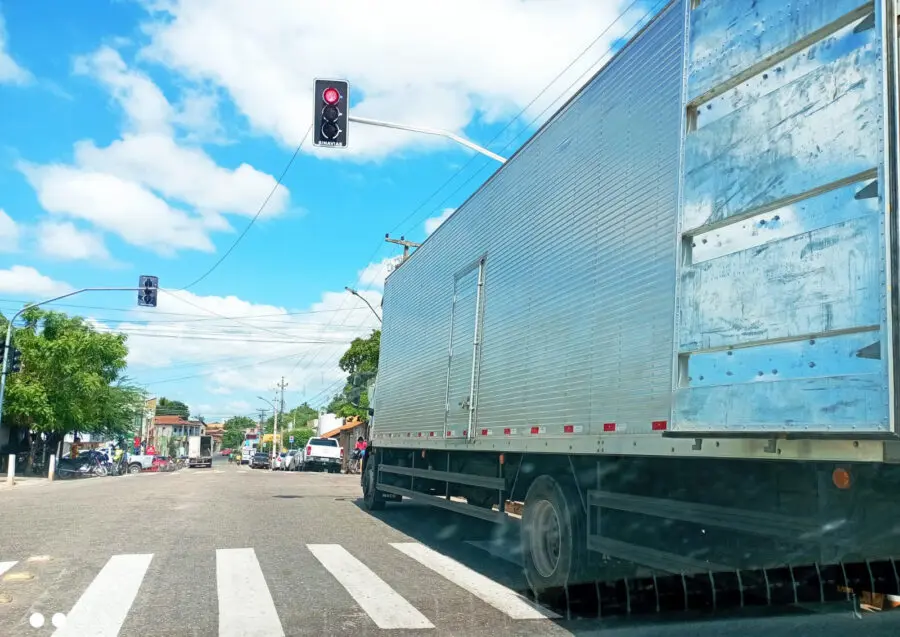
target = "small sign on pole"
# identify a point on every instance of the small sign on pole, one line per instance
(292, 439)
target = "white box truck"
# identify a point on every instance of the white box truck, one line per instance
(667, 328)
(200, 451)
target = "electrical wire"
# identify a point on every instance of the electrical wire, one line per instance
(255, 217)
(517, 116)
(512, 121)
(650, 12)
(203, 374)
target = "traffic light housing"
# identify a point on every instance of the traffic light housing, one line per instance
(15, 360)
(148, 288)
(331, 104)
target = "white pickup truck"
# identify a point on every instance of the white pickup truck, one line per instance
(322, 454)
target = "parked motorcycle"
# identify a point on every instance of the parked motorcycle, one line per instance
(87, 465)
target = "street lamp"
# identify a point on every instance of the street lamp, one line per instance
(355, 293)
(274, 432)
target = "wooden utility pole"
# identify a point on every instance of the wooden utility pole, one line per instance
(280, 386)
(402, 242)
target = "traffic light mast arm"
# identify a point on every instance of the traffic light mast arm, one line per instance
(4, 367)
(429, 131)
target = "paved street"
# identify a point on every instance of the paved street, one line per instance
(231, 551)
(228, 551)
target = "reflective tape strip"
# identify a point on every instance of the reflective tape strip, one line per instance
(609, 426)
(486, 432)
(538, 430)
(659, 425)
(573, 429)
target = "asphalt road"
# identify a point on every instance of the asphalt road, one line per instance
(231, 551)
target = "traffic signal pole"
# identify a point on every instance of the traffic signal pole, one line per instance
(4, 367)
(429, 131)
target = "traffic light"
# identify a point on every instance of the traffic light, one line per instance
(148, 287)
(331, 103)
(15, 360)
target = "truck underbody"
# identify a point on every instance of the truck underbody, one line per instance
(601, 519)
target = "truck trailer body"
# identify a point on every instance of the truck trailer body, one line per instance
(668, 324)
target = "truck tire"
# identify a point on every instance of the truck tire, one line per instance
(372, 497)
(554, 538)
(135, 468)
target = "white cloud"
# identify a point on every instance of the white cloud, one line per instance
(374, 274)
(183, 174)
(148, 188)
(10, 71)
(238, 407)
(25, 280)
(407, 61)
(118, 206)
(262, 344)
(65, 241)
(9, 233)
(145, 105)
(433, 223)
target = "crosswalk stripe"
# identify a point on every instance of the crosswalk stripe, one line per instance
(386, 607)
(485, 589)
(246, 608)
(5, 566)
(102, 608)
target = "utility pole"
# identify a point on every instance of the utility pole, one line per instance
(402, 242)
(281, 386)
(262, 416)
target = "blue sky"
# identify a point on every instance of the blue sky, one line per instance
(140, 137)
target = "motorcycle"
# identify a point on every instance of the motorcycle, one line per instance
(87, 465)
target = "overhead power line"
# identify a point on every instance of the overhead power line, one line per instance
(255, 217)
(516, 117)
(497, 136)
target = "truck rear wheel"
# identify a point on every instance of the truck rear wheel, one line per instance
(372, 497)
(554, 540)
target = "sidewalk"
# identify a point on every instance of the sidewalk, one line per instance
(23, 482)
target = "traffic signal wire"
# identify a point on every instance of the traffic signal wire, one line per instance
(255, 217)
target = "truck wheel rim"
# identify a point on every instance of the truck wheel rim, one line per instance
(545, 538)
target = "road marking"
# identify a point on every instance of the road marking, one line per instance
(246, 608)
(5, 566)
(102, 608)
(485, 589)
(386, 607)
(504, 551)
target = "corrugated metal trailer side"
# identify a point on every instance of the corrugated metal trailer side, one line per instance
(544, 315)
(573, 239)
(667, 324)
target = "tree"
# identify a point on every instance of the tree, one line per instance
(71, 379)
(298, 416)
(234, 431)
(168, 407)
(360, 361)
(301, 437)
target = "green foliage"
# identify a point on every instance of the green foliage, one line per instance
(301, 436)
(234, 431)
(71, 378)
(360, 362)
(168, 407)
(295, 418)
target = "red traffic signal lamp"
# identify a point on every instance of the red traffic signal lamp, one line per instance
(331, 105)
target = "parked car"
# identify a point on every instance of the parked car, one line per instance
(291, 459)
(260, 460)
(227, 452)
(280, 462)
(322, 454)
